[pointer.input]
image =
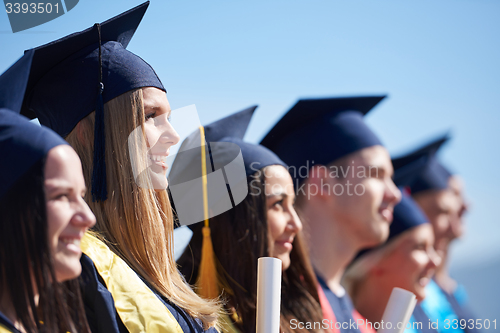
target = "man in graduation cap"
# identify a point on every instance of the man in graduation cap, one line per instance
(345, 192)
(439, 194)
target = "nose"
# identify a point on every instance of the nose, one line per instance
(434, 258)
(168, 133)
(84, 216)
(294, 224)
(392, 193)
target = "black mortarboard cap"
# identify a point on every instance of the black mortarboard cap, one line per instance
(406, 215)
(22, 144)
(226, 151)
(77, 74)
(321, 131)
(420, 170)
(13, 83)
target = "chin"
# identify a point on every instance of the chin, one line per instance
(285, 261)
(419, 291)
(159, 181)
(378, 235)
(68, 271)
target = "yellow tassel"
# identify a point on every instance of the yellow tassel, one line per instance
(207, 282)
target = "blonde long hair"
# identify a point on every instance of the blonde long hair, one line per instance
(135, 222)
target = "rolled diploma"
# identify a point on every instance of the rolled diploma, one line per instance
(268, 295)
(398, 310)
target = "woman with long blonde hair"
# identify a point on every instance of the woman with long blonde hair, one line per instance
(112, 108)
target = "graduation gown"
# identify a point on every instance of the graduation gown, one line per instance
(419, 317)
(117, 300)
(343, 311)
(6, 326)
(437, 308)
(458, 301)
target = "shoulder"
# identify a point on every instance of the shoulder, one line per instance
(99, 303)
(6, 325)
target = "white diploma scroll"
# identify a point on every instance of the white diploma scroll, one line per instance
(268, 295)
(398, 311)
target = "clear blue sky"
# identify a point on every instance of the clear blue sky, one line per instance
(439, 62)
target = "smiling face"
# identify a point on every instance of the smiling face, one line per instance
(411, 263)
(282, 219)
(364, 208)
(160, 135)
(68, 216)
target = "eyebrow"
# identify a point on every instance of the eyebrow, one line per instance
(56, 187)
(277, 194)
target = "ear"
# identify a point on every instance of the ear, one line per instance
(79, 132)
(377, 271)
(318, 182)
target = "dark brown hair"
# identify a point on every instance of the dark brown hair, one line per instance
(240, 237)
(27, 264)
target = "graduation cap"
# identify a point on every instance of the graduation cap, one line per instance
(13, 83)
(77, 74)
(322, 130)
(22, 144)
(420, 169)
(406, 215)
(230, 160)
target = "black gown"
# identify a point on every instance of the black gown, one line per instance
(100, 305)
(342, 308)
(5, 324)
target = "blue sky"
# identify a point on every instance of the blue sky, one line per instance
(438, 61)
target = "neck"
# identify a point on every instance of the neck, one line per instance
(443, 278)
(330, 250)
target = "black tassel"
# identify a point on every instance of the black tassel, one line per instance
(99, 184)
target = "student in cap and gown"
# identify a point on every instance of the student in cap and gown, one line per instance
(345, 192)
(257, 220)
(112, 108)
(433, 189)
(407, 260)
(42, 219)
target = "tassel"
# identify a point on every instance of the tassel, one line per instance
(99, 184)
(207, 281)
(207, 275)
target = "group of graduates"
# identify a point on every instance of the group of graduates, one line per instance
(86, 222)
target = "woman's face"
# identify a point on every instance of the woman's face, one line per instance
(283, 222)
(160, 135)
(412, 263)
(68, 216)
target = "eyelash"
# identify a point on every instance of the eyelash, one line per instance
(152, 115)
(60, 196)
(280, 202)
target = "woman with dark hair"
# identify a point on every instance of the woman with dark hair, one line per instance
(43, 219)
(262, 223)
